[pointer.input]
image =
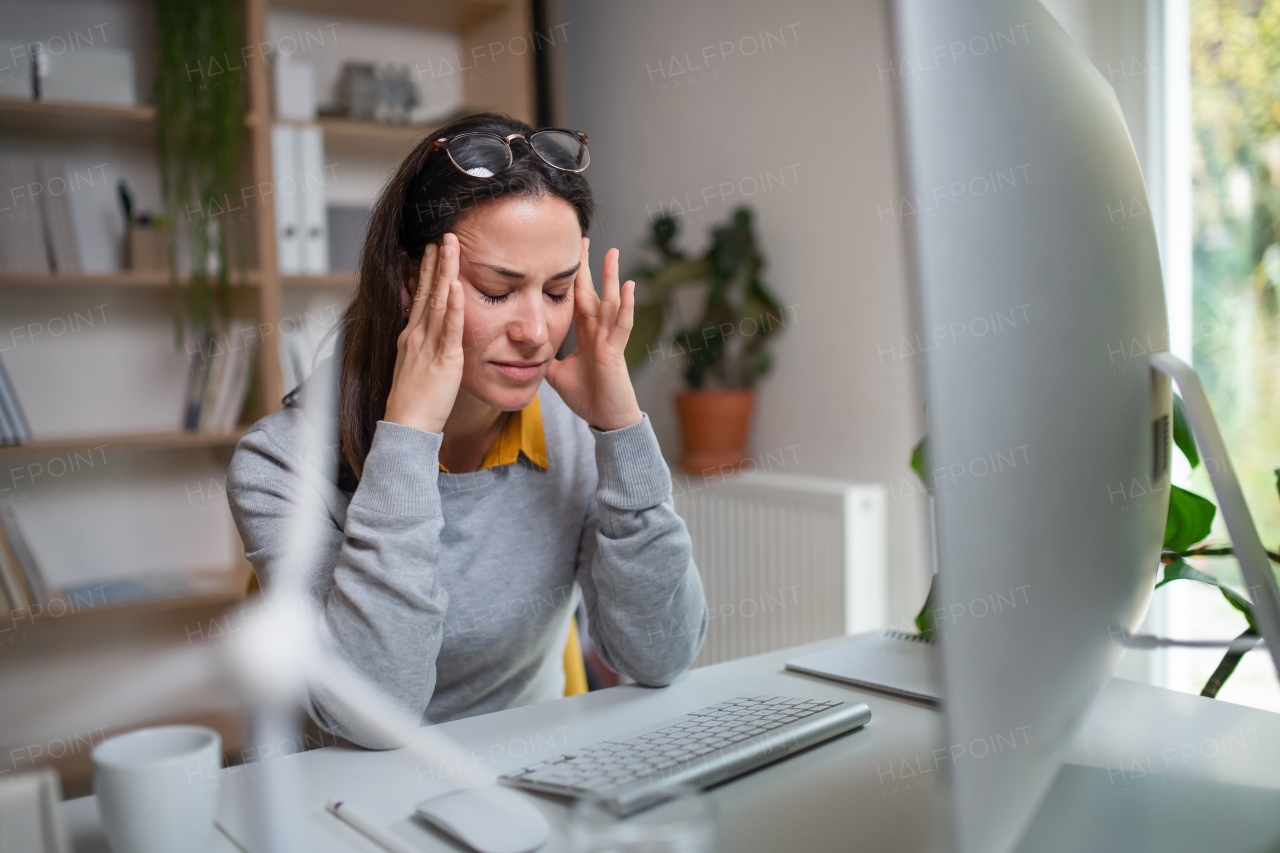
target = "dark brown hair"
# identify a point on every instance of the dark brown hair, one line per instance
(423, 201)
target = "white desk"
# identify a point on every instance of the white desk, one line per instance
(838, 796)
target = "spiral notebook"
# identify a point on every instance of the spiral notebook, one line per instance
(893, 662)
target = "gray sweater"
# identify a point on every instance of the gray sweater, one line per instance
(454, 592)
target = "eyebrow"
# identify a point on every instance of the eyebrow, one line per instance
(503, 271)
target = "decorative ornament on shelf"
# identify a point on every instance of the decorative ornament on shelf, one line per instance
(200, 129)
(1189, 522)
(724, 352)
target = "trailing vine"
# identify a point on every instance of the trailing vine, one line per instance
(200, 130)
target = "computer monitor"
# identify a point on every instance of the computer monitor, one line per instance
(1039, 291)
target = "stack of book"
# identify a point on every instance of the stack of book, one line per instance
(22, 583)
(218, 379)
(14, 428)
(38, 234)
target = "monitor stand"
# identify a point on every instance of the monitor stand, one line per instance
(1254, 562)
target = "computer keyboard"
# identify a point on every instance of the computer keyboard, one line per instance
(701, 749)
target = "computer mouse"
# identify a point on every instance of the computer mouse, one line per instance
(488, 820)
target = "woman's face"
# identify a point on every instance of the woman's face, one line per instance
(517, 262)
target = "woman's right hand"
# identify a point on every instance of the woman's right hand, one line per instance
(429, 351)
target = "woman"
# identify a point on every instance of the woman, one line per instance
(480, 479)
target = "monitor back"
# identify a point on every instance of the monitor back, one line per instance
(1039, 299)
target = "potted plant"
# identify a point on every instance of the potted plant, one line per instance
(724, 352)
(1189, 522)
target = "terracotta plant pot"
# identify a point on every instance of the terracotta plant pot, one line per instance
(714, 425)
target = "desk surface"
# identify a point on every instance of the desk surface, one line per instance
(879, 785)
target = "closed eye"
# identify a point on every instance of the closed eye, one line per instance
(557, 298)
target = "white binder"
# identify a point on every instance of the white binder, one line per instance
(315, 234)
(288, 196)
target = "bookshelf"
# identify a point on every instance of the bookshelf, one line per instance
(129, 441)
(508, 86)
(57, 652)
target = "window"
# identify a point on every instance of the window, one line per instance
(1235, 257)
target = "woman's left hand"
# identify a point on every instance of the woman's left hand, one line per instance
(593, 381)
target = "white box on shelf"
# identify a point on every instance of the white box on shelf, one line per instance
(295, 89)
(98, 76)
(15, 70)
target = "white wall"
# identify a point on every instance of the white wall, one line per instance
(813, 111)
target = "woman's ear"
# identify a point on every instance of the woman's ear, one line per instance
(409, 269)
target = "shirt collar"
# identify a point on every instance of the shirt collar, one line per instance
(523, 433)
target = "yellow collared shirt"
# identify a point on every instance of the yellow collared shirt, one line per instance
(522, 434)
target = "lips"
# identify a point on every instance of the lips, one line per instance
(521, 370)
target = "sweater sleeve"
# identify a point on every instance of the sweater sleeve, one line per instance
(378, 585)
(645, 605)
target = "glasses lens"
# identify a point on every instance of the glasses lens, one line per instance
(481, 155)
(562, 150)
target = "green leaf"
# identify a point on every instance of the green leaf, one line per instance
(679, 272)
(919, 463)
(1182, 433)
(924, 619)
(645, 329)
(1181, 570)
(1190, 519)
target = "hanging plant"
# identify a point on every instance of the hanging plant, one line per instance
(200, 130)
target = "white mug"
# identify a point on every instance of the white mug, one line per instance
(157, 788)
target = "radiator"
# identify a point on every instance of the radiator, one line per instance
(784, 559)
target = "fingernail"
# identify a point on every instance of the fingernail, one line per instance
(448, 251)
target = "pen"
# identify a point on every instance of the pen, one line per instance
(344, 813)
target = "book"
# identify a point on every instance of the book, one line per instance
(55, 206)
(14, 418)
(197, 363)
(22, 239)
(11, 584)
(15, 545)
(893, 662)
(234, 386)
(287, 199)
(8, 435)
(218, 379)
(123, 591)
(309, 160)
(215, 368)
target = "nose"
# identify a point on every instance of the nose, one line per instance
(529, 326)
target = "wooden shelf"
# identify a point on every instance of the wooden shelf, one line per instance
(126, 278)
(365, 138)
(436, 15)
(129, 441)
(340, 278)
(89, 120)
(232, 587)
